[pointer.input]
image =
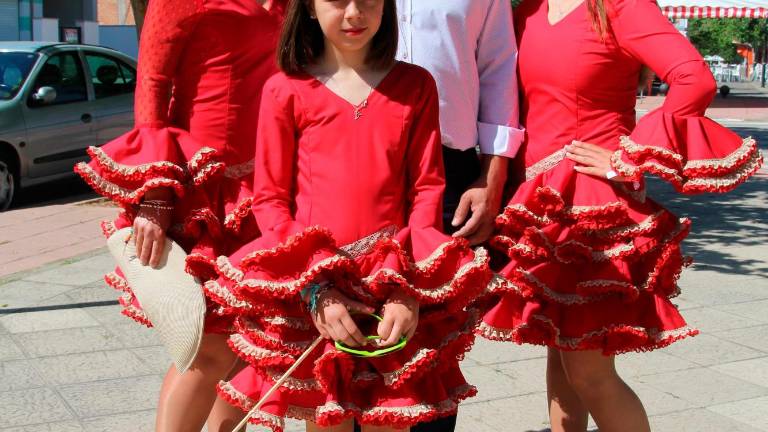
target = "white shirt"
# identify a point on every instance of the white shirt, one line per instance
(469, 47)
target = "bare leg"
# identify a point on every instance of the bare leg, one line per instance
(566, 411)
(224, 416)
(188, 398)
(613, 405)
(346, 426)
(170, 378)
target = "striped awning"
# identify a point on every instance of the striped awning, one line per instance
(714, 12)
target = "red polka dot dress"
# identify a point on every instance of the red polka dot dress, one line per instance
(202, 65)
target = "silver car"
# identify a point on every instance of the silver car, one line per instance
(56, 100)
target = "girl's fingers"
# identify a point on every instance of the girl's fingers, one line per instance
(584, 160)
(146, 250)
(385, 328)
(462, 210)
(394, 335)
(138, 240)
(343, 335)
(356, 306)
(353, 330)
(157, 252)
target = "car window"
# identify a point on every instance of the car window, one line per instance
(64, 74)
(110, 76)
(14, 68)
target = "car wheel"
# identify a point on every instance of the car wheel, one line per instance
(8, 183)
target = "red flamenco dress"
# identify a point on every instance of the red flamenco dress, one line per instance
(594, 263)
(352, 196)
(202, 65)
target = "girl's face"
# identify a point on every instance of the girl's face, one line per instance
(348, 24)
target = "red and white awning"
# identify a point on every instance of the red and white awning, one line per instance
(714, 8)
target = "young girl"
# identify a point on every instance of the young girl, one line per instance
(593, 261)
(348, 198)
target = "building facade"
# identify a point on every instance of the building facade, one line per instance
(49, 20)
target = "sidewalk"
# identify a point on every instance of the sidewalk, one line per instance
(72, 363)
(746, 102)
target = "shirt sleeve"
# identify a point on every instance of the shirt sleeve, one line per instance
(167, 29)
(426, 175)
(676, 141)
(498, 121)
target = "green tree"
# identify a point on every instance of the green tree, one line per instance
(717, 36)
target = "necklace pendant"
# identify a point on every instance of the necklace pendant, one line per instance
(359, 109)
(358, 114)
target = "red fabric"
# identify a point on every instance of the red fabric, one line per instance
(329, 181)
(202, 66)
(593, 264)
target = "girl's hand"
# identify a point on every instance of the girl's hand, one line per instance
(333, 319)
(592, 160)
(149, 227)
(401, 316)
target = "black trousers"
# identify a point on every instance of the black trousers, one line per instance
(462, 168)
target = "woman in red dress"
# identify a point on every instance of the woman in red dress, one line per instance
(186, 169)
(593, 262)
(349, 204)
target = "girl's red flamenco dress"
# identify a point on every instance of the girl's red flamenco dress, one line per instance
(202, 65)
(355, 199)
(594, 263)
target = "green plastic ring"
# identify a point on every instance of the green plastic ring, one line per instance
(377, 353)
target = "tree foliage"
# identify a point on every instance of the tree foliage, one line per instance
(717, 36)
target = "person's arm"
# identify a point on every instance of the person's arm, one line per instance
(165, 34)
(676, 141)
(498, 124)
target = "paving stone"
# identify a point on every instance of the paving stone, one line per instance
(128, 422)
(708, 350)
(528, 376)
(657, 401)
(76, 274)
(753, 337)
(8, 349)
(47, 320)
(709, 320)
(109, 315)
(31, 406)
(66, 426)
(650, 363)
(486, 352)
(93, 366)
(22, 293)
(703, 387)
(92, 293)
(753, 412)
(697, 420)
(155, 357)
(522, 413)
(134, 335)
(754, 371)
(69, 341)
(754, 310)
(494, 384)
(118, 396)
(18, 375)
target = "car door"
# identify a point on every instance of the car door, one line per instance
(114, 83)
(58, 132)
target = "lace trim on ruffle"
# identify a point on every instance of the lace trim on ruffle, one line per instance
(117, 282)
(241, 211)
(366, 244)
(131, 311)
(544, 165)
(294, 323)
(293, 285)
(121, 194)
(228, 270)
(246, 404)
(658, 338)
(240, 170)
(224, 296)
(252, 353)
(108, 228)
(285, 247)
(134, 172)
(702, 175)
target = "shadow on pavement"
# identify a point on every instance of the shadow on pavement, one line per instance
(725, 221)
(64, 191)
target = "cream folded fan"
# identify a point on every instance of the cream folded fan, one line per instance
(172, 299)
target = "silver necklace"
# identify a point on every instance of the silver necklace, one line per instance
(357, 109)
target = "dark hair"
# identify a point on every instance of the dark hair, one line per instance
(302, 41)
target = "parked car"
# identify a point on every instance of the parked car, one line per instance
(56, 100)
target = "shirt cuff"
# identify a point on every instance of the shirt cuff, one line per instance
(499, 140)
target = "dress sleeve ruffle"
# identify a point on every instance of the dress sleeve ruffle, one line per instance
(147, 158)
(695, 154)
